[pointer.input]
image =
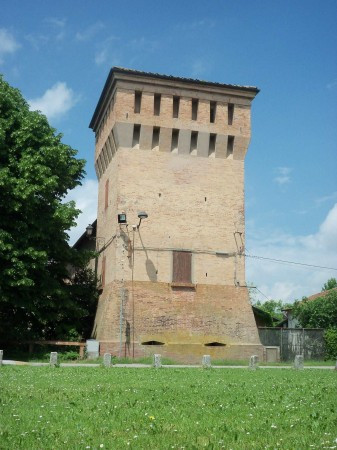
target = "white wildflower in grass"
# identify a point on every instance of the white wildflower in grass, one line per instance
(101, 445)
(273, 426)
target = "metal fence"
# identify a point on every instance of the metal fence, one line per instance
(308, 342)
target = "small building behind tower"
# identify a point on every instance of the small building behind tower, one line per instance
(172, 149)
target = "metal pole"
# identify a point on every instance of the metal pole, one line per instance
(133, 296)
(121, 321)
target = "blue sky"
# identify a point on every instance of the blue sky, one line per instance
(59, 54)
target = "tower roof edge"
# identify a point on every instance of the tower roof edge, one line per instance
(116, 71)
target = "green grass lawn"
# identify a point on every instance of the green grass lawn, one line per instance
(44, 408)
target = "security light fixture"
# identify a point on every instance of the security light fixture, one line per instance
(142, 215)
(89, 230)
(122, 218)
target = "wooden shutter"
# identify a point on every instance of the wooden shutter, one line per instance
(182, 267)
(106, 197)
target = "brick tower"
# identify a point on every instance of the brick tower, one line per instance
(172, 148)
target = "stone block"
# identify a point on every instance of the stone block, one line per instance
(92, 348)
(107, 360)
(165, 139)
(254, 362)
(221, 146)
(145, 142)
(124, 134)
(203, 144)
(157, 361)
(184, 142)
(206, 362)
(298, 362)
(53, 360)
(1, 356)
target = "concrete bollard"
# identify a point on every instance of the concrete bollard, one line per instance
(254, 362)
(298, 362)
(107, 360)
(53, 361)
(157, 361)
(1, 356)
(206, 362)
(92, 348)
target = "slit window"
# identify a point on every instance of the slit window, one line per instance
(156, 104)
(176, 104)
(99, 166)
(103, 271)
(136, 136)
(212, 141)
(97, 171)
(106, 194)
(175, 139)
(109, 150)
(195, 104)
(230, 145)
(212, 112)
(153, 343)
(230, 113)
(155, 137)
(215, 344)
(112, 142)
(105, 156)
(101, 161)
(182, 267)
(194, 142)
(138, 101)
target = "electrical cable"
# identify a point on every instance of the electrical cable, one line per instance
(288, 262)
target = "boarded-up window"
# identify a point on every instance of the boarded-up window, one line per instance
(106, 196)
(182, 267)
(103, 272)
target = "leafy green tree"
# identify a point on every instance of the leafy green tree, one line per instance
(318, 313)
(330, 284)
(36, 172)
(273, 307)
(321, 313)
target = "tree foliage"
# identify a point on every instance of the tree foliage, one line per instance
(330, 284)
(273, 307)
(318, 313)
(37, 298)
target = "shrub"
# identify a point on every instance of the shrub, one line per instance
(330, 337)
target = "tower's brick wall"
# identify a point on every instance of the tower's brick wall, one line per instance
(194, 201)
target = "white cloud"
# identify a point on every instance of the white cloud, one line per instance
(289, 281)
(326, 198)
(283, 175)
(37, 40)
(197, 25)
(85, 197)
(107, 50)
(55, 102)
(101, 57)
(8, 44)
(59, 27)
(89, 32)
